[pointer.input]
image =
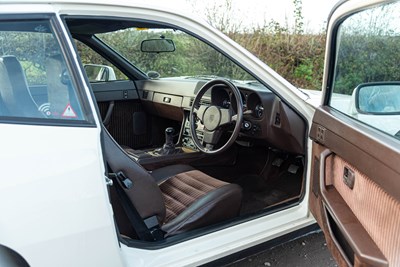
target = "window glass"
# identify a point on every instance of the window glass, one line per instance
(34, 79)
(98, 69)
(366, 82)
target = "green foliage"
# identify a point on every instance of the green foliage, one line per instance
(34, 73)
(304, 70)
(366, 58)
(298, 16)
(31, 49)
(299, 58)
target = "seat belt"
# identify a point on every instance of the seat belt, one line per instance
(148, 229)
(107, 118)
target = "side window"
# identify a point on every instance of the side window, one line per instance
(34, 79)
(98, 69)
(366, 84)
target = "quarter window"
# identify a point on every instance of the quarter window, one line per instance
(34, 79)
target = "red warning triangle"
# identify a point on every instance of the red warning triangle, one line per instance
(68, 112)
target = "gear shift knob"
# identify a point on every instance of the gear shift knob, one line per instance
(169, 137)
(169, 131)
(169, 145)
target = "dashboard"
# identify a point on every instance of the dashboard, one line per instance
(266, 118)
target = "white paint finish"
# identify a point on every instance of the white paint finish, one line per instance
(53, 199)
(224, 242)
(11, 7)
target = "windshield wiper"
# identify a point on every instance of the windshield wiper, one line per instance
(252, 82)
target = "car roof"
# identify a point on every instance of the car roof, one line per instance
(124, 3)
(99, 26)
(101, 2)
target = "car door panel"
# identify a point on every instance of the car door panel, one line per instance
(120, 107)
(128, 123)
(54, 205)
(59, 192)
(361, 221)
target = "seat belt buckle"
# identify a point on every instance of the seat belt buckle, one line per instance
(126, 182)
(154, 228)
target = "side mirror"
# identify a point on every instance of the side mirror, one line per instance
(157, 46)
(381, 98)
(99, 73)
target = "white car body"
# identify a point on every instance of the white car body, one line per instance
(60, 215)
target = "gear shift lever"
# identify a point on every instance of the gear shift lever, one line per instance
(169, 146)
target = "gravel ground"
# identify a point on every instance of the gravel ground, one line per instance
(305, 251)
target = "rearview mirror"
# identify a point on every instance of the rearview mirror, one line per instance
(157, 45)
(382, 98)
(99, 73)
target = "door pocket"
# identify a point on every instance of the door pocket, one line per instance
(350, 237)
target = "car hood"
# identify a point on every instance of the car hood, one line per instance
(313, 97)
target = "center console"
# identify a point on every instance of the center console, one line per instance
(184, 151)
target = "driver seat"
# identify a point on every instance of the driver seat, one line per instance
(180, 197)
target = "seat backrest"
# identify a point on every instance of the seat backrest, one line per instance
(14, 91)
(145, 194)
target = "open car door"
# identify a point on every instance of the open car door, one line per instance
(355, 185)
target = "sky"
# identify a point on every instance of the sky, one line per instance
(256, 12)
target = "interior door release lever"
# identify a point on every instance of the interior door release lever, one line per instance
(348, 177)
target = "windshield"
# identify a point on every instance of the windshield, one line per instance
(191, 57)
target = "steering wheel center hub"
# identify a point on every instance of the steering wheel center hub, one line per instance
(212, 118)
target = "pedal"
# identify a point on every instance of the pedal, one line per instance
(277, 162)
(293, 169)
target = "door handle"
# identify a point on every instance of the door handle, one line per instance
(323, 156)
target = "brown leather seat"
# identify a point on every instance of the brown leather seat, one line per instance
(181, 197)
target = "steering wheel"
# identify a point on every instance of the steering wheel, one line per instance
(215, 118)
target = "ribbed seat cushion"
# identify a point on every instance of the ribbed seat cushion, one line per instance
(181, 190)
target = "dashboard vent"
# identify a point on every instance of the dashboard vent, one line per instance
(202, 102)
